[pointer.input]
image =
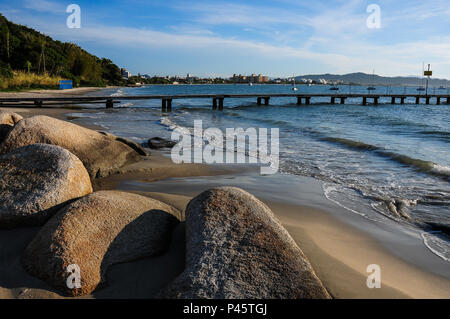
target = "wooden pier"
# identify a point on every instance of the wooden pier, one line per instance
(218, 100)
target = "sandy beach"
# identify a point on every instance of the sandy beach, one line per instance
(338, 244)
(51, 93)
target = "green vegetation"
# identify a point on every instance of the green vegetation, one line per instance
(29, 59)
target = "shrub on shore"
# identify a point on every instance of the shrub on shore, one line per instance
(24, 80)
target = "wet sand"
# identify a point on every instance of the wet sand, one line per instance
(338, 244)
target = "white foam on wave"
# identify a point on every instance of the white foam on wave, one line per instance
(128, 104)
(328, 189)
(438, 243)
(119, 92)
(87, 115)
(441, 169)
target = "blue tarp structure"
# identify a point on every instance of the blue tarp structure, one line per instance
(65, 84)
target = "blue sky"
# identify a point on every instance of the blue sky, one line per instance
(275, 38)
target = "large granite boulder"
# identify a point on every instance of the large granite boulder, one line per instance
(100, 154)
(237, 248)
(96, 231)
(35, 180)
(7, 121)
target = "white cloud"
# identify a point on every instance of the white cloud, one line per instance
(45, 6)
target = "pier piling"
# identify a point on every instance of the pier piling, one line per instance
(109, 104)
(299, 100)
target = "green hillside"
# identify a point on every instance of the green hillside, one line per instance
(24, 49)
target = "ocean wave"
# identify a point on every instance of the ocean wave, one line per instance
(124, 105)
(418, 164)
(441, 135)
(438, 243)
(351, 144)
(119, 92)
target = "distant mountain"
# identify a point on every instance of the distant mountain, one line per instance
(22, 48)
(367, 79)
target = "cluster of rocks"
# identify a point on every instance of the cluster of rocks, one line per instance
(235, 246)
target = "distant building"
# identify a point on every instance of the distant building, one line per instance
(250, 78)
(125, 74)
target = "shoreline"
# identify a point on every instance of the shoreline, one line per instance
(338, 246)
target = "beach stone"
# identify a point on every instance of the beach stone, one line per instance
(35, 180)
(7, 121)
(137, 147)
(237, 248)
(100, 154)
(96, 231)
(159, 142)
(9, 118)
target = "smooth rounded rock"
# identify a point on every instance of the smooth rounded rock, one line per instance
(35, 180)
(96, 231)
(237, 248)
(100, 154)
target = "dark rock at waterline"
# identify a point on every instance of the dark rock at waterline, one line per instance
(138, 148)
(95, 232)
(237, 248)
(159, 142)
(445, 228)
(35, 180)
(100, 154)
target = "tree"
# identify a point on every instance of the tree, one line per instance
(28, 66)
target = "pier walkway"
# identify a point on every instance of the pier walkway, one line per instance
(217, 99)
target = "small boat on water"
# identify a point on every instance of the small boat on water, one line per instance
(250, 84)
(441, 87)
(294, 88)
(334, 88)
(421, 88)
(371, 86)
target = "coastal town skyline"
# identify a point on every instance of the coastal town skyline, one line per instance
(276, 38)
